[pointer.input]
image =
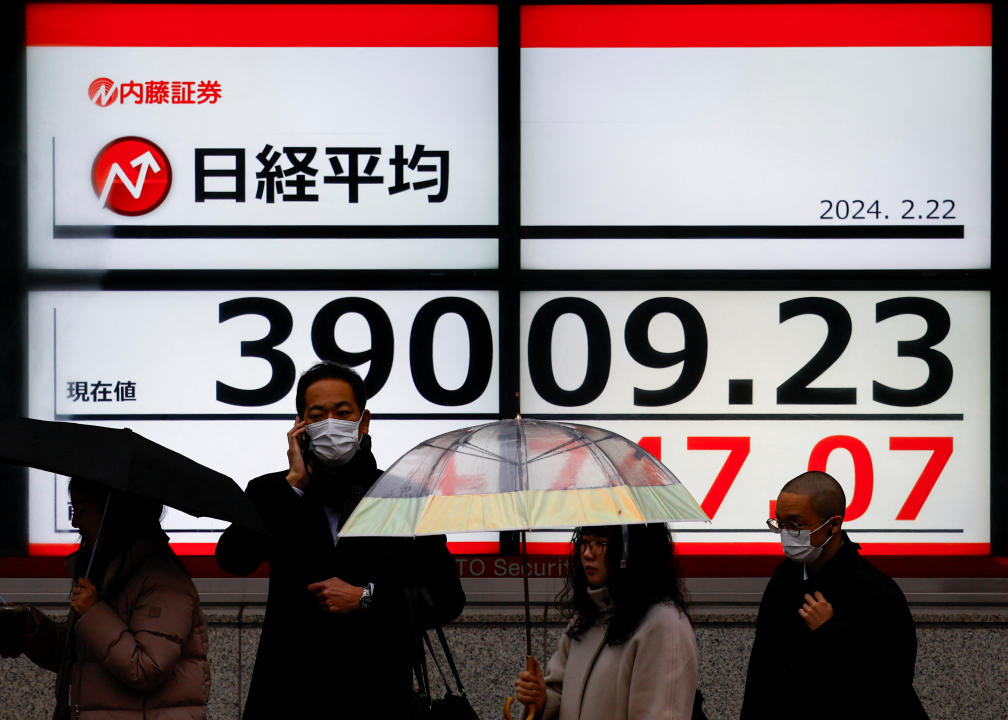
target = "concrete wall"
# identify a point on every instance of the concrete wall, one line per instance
(962, 661)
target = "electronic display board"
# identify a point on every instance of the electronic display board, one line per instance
(262, 136)
(739, 391)
(834, 136)
(256, 137)
(266, 141)
(212, 373)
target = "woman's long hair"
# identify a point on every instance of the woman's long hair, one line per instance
(127, 518)
(651, 576)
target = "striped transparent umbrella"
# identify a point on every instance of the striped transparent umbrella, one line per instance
(521, 474)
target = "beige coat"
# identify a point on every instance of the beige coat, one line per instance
(652, 676)
(140, 652)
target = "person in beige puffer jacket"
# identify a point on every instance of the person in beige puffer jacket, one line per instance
(138, 645)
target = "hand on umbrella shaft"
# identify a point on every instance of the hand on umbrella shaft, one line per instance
(84, 596)
(336, 596)
(530, 688)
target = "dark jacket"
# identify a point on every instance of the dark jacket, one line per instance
(315, 664)
(858, 664)
(140, 652)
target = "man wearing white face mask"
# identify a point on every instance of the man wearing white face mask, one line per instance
(335, 640)
(834, 635)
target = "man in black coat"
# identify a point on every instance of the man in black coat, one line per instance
(834, 635)
(335, 641)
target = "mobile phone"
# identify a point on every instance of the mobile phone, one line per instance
(305, 443)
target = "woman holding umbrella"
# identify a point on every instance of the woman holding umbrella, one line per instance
(137, 644)
(628, 650)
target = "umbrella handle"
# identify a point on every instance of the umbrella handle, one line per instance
(529, 665)
(507, 710)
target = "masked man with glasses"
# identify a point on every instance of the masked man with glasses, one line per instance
(834, 635)
(335, 641)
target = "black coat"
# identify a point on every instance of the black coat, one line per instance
(858, 664)
(312, 664)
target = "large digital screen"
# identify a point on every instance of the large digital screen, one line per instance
(261, 137)
(253, 147)
(212, 374)
(739, 391)
(833, 136)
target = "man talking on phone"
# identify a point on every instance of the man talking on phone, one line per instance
(335, 641)
(834, 635)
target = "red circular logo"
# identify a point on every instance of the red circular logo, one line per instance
(131, 176)
(103, 92)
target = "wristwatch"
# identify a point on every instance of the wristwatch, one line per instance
(365, 597)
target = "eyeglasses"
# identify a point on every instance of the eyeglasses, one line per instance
(792, 529)
(597, 547)
(78, 510)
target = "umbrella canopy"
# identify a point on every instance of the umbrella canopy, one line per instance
(520, 475)
(126, 461)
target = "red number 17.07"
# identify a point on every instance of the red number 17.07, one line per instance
(738, 450)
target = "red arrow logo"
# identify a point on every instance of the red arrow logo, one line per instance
(131, 176)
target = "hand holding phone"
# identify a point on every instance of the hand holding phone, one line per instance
(297, 444)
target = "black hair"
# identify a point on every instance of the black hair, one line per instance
(824, 492)
(651, 576)
(328, 370)
(128, 517)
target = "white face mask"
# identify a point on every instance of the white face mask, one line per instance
(800, 549)
(334, 442)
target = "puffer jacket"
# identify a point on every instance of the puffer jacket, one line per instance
(140, 652)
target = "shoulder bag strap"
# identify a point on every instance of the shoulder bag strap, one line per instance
(448, 657)
(418, 660)
(433, 655)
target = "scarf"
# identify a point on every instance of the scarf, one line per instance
(342, 487)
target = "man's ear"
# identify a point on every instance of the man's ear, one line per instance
(365, 422)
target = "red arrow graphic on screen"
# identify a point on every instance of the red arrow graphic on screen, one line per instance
(131, 176)
(144, 162)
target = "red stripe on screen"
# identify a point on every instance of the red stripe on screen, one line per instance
(563, 549)
(134, 25)
(805, 25)
(64, 549)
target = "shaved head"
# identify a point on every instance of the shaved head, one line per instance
(822, 489)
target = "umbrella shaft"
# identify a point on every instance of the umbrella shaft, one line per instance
(528, 616)
(94, 546)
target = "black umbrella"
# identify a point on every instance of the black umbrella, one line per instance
(126, 461)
